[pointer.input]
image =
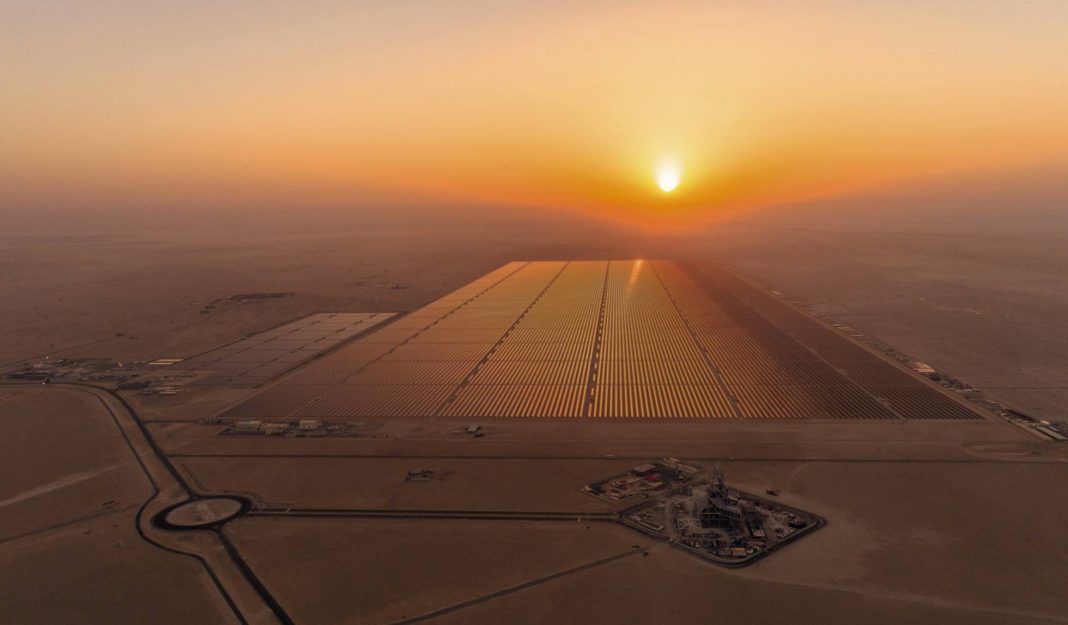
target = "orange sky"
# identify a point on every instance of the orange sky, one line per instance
(558, 104)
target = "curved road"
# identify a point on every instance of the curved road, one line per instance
(240, 588)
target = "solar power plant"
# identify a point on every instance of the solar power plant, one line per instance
(604, 339)
(263, 357)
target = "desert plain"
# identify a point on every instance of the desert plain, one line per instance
(927, 521)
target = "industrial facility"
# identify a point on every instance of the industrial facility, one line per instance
(662, 475)
(724, 525)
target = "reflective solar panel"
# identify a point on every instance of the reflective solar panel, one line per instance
(596, 339)
(257, 359)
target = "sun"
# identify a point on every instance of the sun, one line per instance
(668, 176)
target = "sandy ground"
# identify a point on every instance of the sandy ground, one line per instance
(62, 460)
(378, 483)
(894, 548)
(102, 572)
(985, 306)
(69, 550)
(885, 518)
(970, 537)
(382, 572)
(669, 587)
(597, 438)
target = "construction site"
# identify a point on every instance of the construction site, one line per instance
(646, 478)
(723, 525)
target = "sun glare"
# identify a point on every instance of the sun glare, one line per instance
(667, 177)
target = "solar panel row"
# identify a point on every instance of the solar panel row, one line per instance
(601, 339)
(264, 356)
(807, 348)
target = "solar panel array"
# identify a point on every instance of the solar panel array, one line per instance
(263, 357)
(812, 357)
(603, 339)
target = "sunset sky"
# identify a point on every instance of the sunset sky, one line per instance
(165, 105)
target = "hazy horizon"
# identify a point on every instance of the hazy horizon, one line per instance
(112, 108)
